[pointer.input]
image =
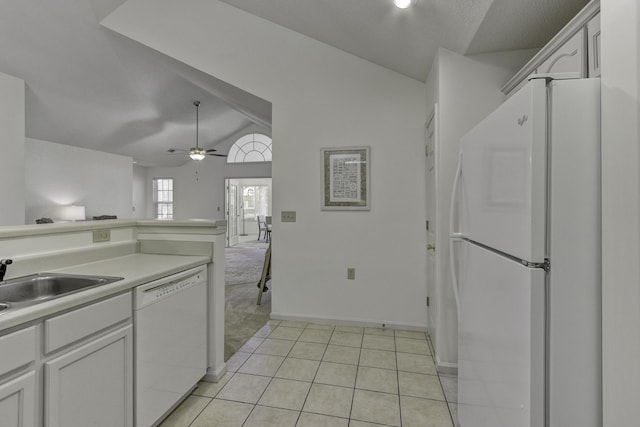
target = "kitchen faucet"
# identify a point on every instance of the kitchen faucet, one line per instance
(3, 267)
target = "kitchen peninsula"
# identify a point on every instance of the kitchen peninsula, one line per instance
(63, 340)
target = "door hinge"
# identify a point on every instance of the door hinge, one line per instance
(428, 301)
(427, 225)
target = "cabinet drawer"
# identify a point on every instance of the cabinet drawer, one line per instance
(78, 324)
(17, 349)
(569, 60)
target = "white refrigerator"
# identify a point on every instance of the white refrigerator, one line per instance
(526, 209)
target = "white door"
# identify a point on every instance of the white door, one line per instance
(504, 176)
(430, 153)
(232, 213)
(501, 344)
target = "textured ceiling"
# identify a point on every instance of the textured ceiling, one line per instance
(89, 87)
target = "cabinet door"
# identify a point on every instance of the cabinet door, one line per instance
(92, 385)
(568, 61)
(593, 40)
(17, 401)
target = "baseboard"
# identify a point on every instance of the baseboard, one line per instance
(445, 368)
(343, 321)
(213, 376)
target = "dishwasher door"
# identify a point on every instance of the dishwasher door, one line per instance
(170, 326)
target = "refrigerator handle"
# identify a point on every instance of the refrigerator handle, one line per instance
(455, 236)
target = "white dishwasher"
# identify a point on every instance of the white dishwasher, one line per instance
(170, 327)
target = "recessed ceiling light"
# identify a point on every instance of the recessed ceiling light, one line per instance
(402, 4)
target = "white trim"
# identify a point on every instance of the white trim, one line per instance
(342, 321)
(445, 368)
(569, 30)
(216, 375)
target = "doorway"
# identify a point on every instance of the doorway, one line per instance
(247, 199)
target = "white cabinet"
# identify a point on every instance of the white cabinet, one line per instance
(17, 389)
(572, 53)
(17, 401)
(568, 61)
(593, 42)
(92, 385)
(88, 377)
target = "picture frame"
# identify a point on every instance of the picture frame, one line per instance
(346, 178)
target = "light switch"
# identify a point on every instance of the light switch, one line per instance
(351, 273)
(288, 216)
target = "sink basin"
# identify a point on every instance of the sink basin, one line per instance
(36, 288)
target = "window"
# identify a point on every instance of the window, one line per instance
(254, 147)
(163, 198)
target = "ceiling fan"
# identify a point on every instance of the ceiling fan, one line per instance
(197, 153)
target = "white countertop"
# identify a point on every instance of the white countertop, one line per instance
(136, 270)
(197, 225)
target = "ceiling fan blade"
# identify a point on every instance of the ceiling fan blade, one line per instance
(214, 154)
(176, 151)
(210, 150)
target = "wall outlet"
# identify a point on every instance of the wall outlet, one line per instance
(288, 216)
(351, 273)
(101, 236)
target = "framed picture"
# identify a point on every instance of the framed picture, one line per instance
(346, 178)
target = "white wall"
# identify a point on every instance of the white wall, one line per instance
(620, 24)
(59, 175)
(139, 207)
(198, 187)
(321, 97)
(467, 89)
(12, 127)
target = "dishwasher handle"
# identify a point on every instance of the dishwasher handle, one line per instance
(142, 294)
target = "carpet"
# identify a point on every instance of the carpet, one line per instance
(242, 317)
(243, 265)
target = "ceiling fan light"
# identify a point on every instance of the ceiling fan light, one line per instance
(197, 153)
(402, 4)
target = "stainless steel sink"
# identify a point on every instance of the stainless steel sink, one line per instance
(36, 288)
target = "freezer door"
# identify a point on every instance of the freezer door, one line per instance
(504, 176)
(501, 354)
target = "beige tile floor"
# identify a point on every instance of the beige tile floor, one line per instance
(308, 374)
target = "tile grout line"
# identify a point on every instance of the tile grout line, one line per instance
(314, 376)
(199, 413)
(355, 381)
(326, 348)
(272, 376)
(398, 377)
(446, 399)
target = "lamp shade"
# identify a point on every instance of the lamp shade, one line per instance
(72, 213)
(197, 153)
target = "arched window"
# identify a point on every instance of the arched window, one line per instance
(254, 147)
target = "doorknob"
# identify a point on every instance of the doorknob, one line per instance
(431, 247)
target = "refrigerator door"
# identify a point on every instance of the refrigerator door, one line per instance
(501, 345)
(504, 176)
(575, 301)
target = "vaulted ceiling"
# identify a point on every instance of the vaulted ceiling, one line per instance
(89, 87)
